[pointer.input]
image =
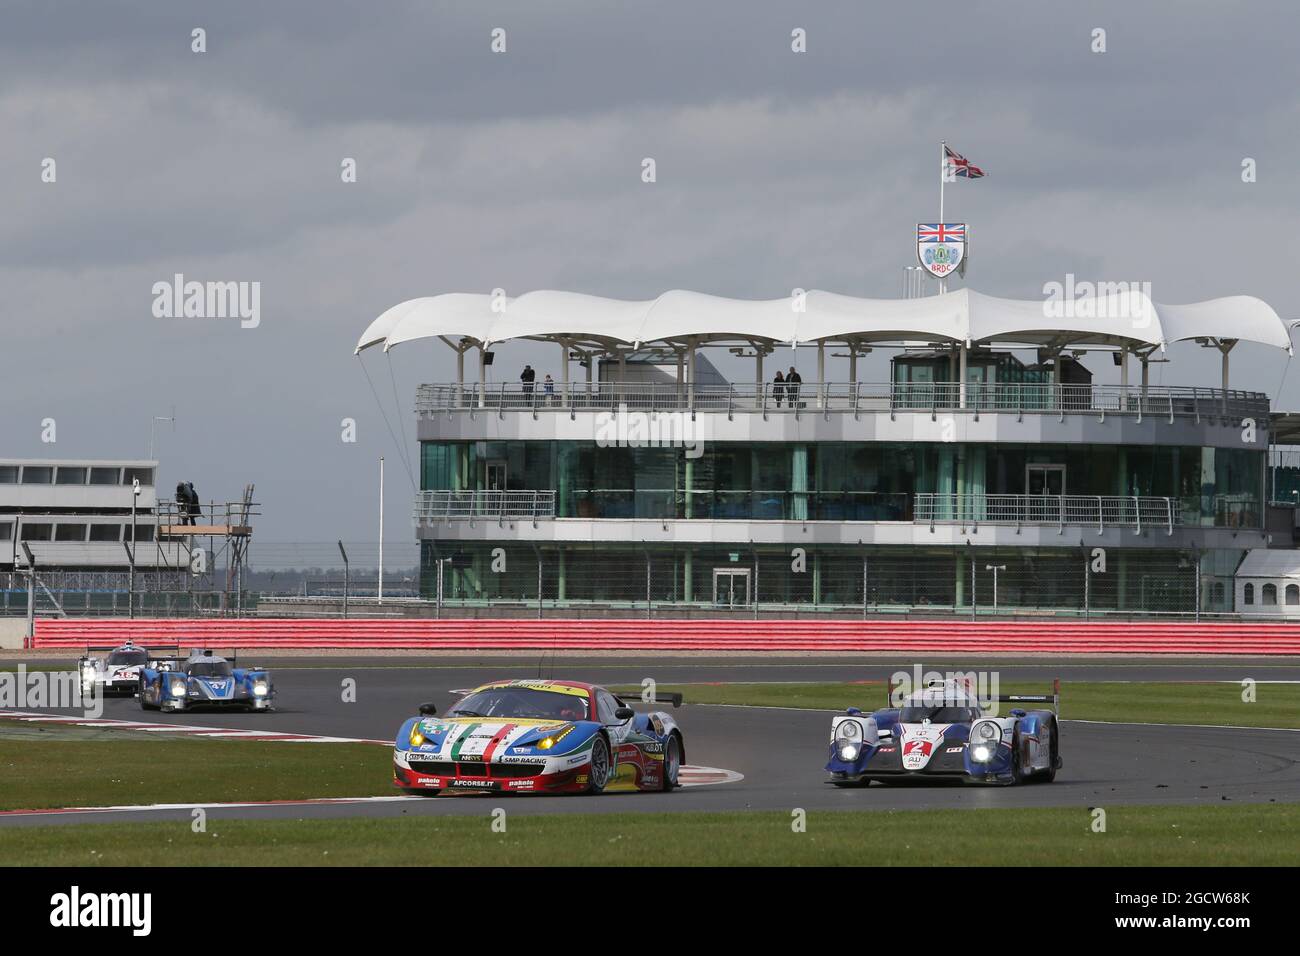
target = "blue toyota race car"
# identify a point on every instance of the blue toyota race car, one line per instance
(203, 680)
(943, 731)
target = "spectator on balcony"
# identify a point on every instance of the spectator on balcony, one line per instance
(182, 502)
(778, 387)
(548, 389)
(792, 382)
(527, 376)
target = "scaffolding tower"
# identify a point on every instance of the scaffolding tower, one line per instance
(228, 528)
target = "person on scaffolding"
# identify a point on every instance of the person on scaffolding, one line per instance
(183, 502)
(192, 501)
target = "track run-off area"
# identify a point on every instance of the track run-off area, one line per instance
(743, 757)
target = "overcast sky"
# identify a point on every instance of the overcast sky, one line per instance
(522, 171)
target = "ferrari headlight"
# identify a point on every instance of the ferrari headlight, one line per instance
(986, 732)
(849, 751)
(178, 687)
(416, 738)
(260, 688)
(546, 743)
(848, 730)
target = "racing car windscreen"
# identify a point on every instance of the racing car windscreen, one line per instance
(523, 702)
(211, 669)
(937, 715)
(127, 658)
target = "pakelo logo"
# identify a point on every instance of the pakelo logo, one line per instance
(208, 300)
(76, 909)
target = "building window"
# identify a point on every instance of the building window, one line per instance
(1248, 594)
(144, 474)
(38, 532)
(6, 531)
(8, 474)
(1269, 594)
(105, 532)
(105, 476)
(37, 475)
(1216, 592)
(70, 532)
(70, 476)
(1293, 594)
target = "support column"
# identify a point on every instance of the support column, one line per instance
(961, 371)
(690, 374)
(564, 372)
(482, 376)
(681, 374)
(688, 585)
(1123, 377)
(821, 374)
(460, 375)
(758, 370)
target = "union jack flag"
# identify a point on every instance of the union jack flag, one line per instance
(941, 232)
(959, 165)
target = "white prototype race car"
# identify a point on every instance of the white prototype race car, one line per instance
(118, 670)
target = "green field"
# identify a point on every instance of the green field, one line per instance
(1258, 835)
(88, 772)
(1276, 705)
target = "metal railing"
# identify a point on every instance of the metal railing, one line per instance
(1167, 402)
(1098, 511)
(465, 505)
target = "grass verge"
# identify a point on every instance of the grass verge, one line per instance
(93, 773)
(1259, 835)
(1276, 705)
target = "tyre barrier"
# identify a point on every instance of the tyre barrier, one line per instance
(901, 637)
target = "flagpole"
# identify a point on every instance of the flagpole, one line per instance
(943, 160)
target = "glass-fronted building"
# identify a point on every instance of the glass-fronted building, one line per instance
(988, 471)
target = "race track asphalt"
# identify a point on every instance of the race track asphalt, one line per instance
(780, 752)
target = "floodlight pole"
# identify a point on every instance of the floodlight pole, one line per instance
(381, 529)
(995, 568)
(346, 578)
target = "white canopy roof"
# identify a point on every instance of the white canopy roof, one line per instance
(960, 316)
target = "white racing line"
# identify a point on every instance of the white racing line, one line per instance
(688, 775)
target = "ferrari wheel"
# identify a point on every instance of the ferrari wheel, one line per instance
(672, 762)
(598, 769)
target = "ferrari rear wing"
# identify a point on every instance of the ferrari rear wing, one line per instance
(674, 699)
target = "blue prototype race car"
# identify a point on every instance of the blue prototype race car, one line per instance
(203, 680)
(943, 731)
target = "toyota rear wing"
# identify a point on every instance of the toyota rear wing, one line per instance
(1054, 698)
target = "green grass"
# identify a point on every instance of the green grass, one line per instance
(91, 773)
(1276, 705)
(1255, 835)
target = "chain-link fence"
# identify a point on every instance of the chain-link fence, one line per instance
(758, 580)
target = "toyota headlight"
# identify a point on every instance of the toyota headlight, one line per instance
(986, 732)
(849, 730)
(981, 753)
(849, 751)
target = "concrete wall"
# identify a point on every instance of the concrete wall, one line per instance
(12, 632)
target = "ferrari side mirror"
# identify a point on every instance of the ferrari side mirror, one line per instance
(428, 709)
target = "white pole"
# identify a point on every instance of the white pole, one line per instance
(943, 169)
(381, 529)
